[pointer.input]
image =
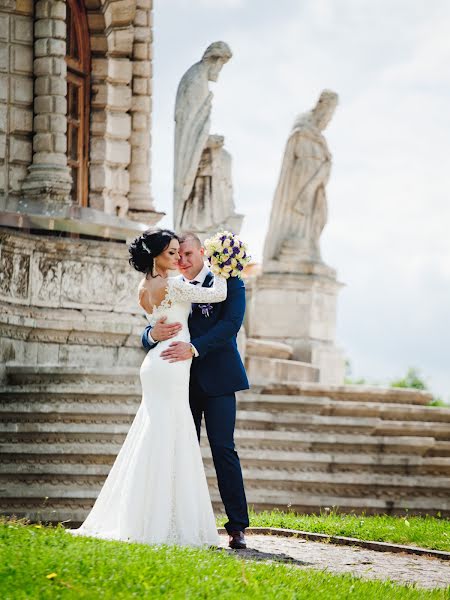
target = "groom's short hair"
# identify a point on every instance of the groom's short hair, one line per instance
(190, 236)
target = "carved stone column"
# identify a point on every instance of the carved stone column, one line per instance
(140, 199)
(49, 176)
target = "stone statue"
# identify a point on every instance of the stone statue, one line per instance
(210, 205)
(192, 122)
(299, 210)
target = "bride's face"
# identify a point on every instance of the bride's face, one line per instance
(168, 259)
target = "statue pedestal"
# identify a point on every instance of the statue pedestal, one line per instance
(299, 308)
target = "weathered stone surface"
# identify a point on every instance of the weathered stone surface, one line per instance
(192, 114)
(268, 349)
(299, 211)
(61, 428)
(305, 320)
(210, 205)
(48, 314)
(118, 83)
(49, 176)
(262, 370)
(16, 85)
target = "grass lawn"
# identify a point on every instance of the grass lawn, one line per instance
(427, 532)
(39, 562)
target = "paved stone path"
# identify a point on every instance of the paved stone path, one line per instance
(425, 572)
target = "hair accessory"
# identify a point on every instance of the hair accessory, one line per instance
(146, 248)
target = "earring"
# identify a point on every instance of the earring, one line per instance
(154, 271)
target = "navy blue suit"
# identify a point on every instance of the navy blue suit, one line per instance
(216, 374)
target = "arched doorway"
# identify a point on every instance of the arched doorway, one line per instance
(78, 58)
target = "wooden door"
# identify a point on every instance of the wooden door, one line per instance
(78, 58)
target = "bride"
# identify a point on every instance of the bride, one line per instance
(156, 491)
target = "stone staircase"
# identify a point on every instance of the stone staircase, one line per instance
(302, 445)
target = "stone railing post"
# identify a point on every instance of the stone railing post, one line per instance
(49, 176)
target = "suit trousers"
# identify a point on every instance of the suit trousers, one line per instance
(220, 419)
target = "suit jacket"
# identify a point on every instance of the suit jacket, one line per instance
(218, 369)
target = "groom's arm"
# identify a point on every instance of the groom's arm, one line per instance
(160, 332)
(230, 322)
(145, 340)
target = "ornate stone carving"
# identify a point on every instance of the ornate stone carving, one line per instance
(14, 275)
(47, 280)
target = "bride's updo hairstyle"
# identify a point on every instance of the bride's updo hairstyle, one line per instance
(145, 248)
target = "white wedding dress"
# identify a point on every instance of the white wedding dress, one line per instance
(156, 491)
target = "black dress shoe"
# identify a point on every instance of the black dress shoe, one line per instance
(237, 540)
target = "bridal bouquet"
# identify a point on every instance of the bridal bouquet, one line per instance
(227, 254)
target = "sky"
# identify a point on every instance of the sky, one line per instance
(388, 196)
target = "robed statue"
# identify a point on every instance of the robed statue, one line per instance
(192, 123)
(299, 209)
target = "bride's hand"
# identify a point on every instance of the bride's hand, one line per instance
(163, 331)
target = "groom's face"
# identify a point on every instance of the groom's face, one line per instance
(191, 258)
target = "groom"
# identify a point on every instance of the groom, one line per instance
(217, 373)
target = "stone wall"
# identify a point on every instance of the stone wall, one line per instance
(16, 93)
(66, 301)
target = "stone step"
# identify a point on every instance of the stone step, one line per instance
(306, 503)
(285, 421)
(341, 443)
(81, 439)
(262, 370)
(327, 406)
(302, 444)
(347, 392)
(30, 484)
(18, 375)
(119, 392)
(267, 348)
(386, 496)
(120, 399)
(56, 375)
(289, 462)
(258, 420)
(75, 510)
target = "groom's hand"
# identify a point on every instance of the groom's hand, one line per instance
(177, 351)
(164, 331)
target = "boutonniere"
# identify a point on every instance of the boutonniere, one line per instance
(205, 308)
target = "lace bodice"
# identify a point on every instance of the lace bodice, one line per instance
(178, 290)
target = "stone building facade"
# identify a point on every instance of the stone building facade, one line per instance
(75, 103)
(75, 117)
